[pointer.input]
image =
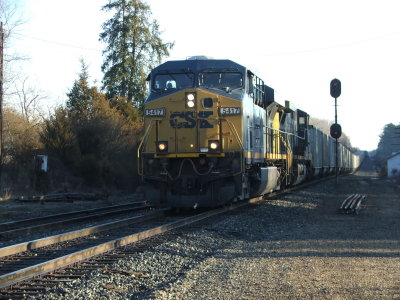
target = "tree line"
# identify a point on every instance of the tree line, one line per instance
(325, 125)
(389, 143)
(91, 138)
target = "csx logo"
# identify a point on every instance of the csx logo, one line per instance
(187, 119)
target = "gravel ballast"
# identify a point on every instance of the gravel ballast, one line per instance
(294, 247)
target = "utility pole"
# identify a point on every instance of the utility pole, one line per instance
(1, 100)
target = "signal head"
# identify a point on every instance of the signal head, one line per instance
(336, 88)
(336, 131)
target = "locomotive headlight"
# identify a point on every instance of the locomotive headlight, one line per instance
(190, 97)
(162, 146)
(213, 146)
(190, 104)
(190, 100)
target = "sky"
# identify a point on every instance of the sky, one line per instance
(296, 47)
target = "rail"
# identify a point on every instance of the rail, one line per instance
(69, 264)
(352, 204)
(19, 228)
(50, 264)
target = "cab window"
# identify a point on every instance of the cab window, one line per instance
(170, 81)
(232, 80)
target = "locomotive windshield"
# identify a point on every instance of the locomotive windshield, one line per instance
(173, 81)
(232, 80)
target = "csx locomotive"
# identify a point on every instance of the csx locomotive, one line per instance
(214, 134)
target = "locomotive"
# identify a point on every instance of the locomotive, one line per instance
(214, 134)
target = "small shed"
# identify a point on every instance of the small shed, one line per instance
(393, 165)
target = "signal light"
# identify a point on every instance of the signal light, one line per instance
(336, 131)
(336, 88)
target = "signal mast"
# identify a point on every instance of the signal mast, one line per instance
(336, 129)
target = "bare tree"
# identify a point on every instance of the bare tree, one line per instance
(21, 115)
(28, 98)
(325, 125)
(12, 19)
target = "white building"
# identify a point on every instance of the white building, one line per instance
(393, 165)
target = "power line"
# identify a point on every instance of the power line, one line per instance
(330, 47)
(57, 43)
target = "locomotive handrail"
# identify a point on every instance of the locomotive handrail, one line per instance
(289, 160)
(233, 128)
(140, 161)
(288, 133)
(235, 132)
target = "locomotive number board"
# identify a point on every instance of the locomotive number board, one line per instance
(228, 111)
(154, 112)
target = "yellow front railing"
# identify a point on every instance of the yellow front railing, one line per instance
(139, 151)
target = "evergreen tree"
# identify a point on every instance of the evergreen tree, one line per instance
(134, 46)
(59, 138)
(94, 141)
(79, 98)
(389, 142)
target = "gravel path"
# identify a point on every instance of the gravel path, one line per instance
(295, 247)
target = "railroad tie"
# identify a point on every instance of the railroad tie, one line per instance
(352, 204)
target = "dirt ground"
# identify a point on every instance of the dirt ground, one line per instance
(295, 247)
(300, 247)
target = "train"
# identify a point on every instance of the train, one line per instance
(214, 134)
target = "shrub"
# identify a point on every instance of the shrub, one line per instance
(59, 138)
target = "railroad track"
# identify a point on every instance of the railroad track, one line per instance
(24, 227)
(39, 257)
(34, 266)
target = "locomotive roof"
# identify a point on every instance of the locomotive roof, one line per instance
(198, 65)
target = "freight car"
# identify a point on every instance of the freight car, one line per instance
(215, 134)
